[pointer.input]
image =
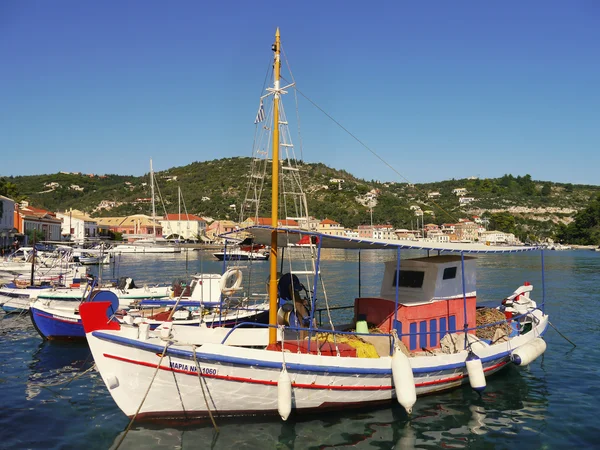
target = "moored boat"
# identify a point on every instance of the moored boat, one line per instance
(420, 335)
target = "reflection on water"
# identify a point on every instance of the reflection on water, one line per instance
(55, 364)
(551, 404)
(512, 411)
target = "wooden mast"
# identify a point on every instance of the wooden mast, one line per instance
(273, 297)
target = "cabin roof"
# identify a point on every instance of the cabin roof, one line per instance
(262, 235)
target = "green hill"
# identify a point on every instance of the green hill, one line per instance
(209, 188)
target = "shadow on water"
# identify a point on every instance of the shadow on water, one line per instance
(510, 412)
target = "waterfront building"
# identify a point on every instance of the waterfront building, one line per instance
(77, 226)
(183, 226)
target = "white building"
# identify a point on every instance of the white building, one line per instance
(351, 233)
(498, 237)
(77, 226)
(183, 226)
(438, 236)
(460, 191)
(7, 221)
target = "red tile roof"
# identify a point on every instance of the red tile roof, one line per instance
(184, 217)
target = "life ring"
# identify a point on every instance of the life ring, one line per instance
(236, 275)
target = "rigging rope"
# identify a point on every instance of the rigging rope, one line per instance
(369, 149)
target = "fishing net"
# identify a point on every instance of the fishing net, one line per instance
(487, 316)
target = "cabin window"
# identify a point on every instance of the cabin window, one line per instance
(409, 278)
(449, 273)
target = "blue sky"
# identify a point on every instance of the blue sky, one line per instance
(438, 89)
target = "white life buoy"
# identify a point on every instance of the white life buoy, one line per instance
(236, 275)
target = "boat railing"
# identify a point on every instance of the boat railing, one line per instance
(316, 331)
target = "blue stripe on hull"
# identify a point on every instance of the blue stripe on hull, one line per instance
(51, 326)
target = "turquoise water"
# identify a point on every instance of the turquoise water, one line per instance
(48, 400)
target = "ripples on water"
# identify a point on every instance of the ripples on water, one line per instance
(46, 403)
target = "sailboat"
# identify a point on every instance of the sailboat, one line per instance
(422, 333)
(151, 244)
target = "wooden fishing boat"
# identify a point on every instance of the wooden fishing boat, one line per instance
(420, 335)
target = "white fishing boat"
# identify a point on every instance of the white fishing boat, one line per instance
(420, 335)
(208, 300)
(240, 254)
(18, 299)
(91, 259)
(17, 295)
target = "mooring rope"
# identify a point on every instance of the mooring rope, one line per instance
(145, 395)
(202, 387)
(70, 380)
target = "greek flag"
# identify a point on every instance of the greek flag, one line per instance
(260, 115)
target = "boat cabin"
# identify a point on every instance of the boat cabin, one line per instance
(431, 300)
(204, 288)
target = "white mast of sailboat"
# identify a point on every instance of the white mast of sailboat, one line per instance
(274, 193)
(153, 206)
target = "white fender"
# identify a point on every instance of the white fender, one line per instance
(404, 382)
(284, 394)
(112, 382)
(143, 331)
(525, 354)
(475, 372)
(230, 290)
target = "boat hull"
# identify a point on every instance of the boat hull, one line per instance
(241, 256)
(241, 381)
(56, 324)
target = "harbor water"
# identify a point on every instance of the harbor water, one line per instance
(52, 398)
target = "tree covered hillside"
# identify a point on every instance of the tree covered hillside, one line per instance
(529, 208)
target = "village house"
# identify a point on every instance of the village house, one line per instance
(7, 222)
(183, 226)
(132, 227)
(309, 223)
(448, 228)
(331, 227)
(403, 233)
(28, 218)
(219, 227)
(266, 221)
(107, 204)
(77, 226)
(385, 232)
(467, 231)
(352, 233)
(438, 236)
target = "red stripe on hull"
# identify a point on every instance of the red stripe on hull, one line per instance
(299, 385)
